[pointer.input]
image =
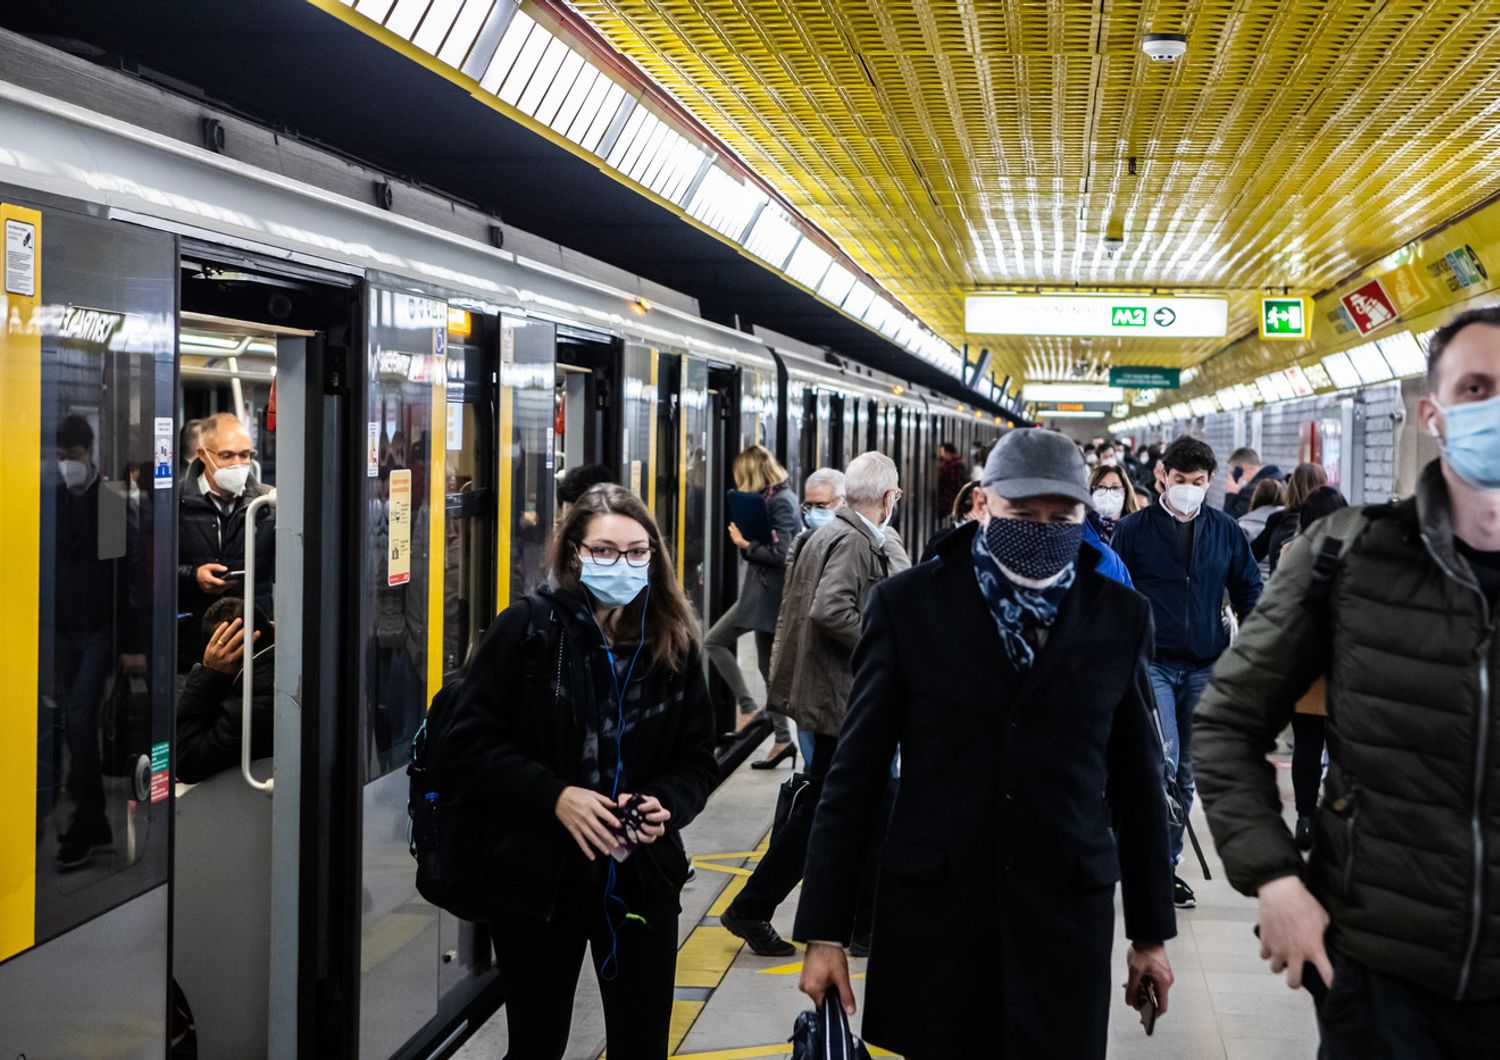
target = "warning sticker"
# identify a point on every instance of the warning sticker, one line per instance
(1369, 307)
(372, 452)
(20, 258)
(161, 777)
(162, 453)
(398, 554)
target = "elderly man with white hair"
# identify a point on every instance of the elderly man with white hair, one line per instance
(831, 572)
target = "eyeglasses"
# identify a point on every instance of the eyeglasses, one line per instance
(244, 456)
(823, 506)
(608, 556)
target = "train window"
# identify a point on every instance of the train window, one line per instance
(528, 397)
(468, 591)
(100, 530)
(408, 338)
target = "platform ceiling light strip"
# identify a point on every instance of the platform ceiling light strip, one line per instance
(526, 65)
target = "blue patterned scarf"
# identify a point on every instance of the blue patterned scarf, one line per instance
(1020, 614)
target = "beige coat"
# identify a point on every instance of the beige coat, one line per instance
(830, 574)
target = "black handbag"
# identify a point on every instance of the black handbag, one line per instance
(823, 1033)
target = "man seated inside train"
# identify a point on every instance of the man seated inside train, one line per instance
(210, 707)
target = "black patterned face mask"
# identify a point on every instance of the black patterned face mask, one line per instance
(1037, 551)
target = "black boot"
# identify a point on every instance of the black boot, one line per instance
(1304, 833)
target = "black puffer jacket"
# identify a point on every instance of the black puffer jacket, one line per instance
(517, 737)
(1406, 853)
(205, 535)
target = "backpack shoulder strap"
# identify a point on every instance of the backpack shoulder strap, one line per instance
(1334, 550)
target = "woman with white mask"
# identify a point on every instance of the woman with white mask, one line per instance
(1113, 499)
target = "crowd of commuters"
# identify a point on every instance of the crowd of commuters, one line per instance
(1366, 634)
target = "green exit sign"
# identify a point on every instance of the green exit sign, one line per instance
(1283, 318)
(1146, 378)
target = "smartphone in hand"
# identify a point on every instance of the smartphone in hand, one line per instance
(1149, 1007)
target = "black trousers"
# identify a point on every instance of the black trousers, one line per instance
(781, 869)
(539, 964)
(1371, 1016)
(1308, 732)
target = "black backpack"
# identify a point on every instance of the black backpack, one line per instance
(449, 842)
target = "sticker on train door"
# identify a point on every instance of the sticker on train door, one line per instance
(398, 548)
(20, 258)
(372, 452)
(162, 458)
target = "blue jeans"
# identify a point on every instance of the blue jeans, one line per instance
(1177, 693)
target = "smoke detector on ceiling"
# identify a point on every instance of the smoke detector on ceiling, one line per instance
(1164, 47)
(1114, 244)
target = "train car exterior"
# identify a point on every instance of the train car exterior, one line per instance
(412, 393)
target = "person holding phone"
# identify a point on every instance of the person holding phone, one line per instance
(215, 495)
(583, 728)
(1028, 789)
(757, 472)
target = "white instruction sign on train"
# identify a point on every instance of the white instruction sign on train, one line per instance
(372, 452)
(162, 455)
(398, 550)
(20, 258)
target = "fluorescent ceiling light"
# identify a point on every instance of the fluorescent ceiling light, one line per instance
(1405, 354)
(1318, 376)
(809, 263)
(1268, 391)
(859, 298)
(772, 237)
(516, 34)
(1229, 399)
(525, 65)
(465, 32)
(1181, 411)
(1121, 316)
(1203, 406)
(1283, 387)
(1085, 415)
(604, 118)
(1072, 392)
(1370, 363)
(569, 73)
(836, 284)
(435, 25)
(1298, 381)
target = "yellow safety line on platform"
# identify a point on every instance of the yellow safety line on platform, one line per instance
(732, 870)
(749, 1052)
(20, 529)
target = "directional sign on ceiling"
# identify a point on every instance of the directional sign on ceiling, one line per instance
(1122, 316)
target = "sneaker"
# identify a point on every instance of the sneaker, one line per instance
(1304, 833)
(859, 946)
(759, 935)
(1182, 894)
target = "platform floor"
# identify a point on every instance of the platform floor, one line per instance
(732, 1005)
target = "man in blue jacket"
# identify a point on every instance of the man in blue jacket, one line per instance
(1183, 557)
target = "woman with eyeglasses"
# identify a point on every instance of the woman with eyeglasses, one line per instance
(756, 471)
(584, 729)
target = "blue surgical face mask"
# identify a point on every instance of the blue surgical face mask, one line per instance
(820, 517)
(615, 584)
(1472, 449)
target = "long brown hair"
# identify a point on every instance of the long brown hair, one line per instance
(671, 627)
(1132, 502)
(1304, 479)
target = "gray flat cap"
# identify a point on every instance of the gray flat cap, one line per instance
(1030, 462)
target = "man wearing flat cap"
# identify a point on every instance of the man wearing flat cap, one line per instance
(1012, 676)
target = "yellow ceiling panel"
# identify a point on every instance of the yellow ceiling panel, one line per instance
(963, 144)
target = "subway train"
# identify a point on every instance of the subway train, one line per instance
(413, 393)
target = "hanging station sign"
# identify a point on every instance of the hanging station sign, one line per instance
(1123, 316)
(1146, 378)
(1283, 318)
